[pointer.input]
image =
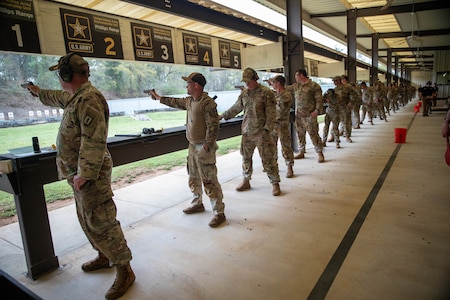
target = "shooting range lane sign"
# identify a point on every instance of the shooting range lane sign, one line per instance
(18, 30)
(91, 35)
(152, 43)
(197, 50)
(230, 54)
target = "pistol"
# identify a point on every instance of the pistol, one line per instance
(148, 92)
(26, 84)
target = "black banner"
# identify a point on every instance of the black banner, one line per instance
(18, 30)
(197, 50)
(230, 54)
(91, 35)
(152, 43)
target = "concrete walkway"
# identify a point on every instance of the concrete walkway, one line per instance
(372, 222)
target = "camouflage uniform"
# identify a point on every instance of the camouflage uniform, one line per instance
(378, 94)
(331, 115)
(346, 95)
(82, 150)
(281, 128)
(392, 95)
(357, 102)
(308, 98)
(367, 104)
(202, 128)
(259, 107)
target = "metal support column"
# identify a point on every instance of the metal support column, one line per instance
(294, 46)
(396, 62)
(389, 66)
(294, 50)
(374, 69)
(350, 65)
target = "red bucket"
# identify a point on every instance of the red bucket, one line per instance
(419, 103)
(400, 135)
(416, 108)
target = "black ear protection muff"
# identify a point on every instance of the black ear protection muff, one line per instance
(148, 130)
(65, 71)
(254, 75)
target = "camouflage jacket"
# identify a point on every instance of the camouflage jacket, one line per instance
(259, 107)
(367, 95)
(202, 120)
(82, 136)
(308, 98)
(284, 104)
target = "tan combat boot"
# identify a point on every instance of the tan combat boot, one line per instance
(289, 172)
(124, 279)
(245, 185)
(276, 189)
(299, 155)
(320, 157)
(100, 262)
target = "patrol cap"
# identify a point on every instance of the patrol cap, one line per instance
(336, 78)
(196, 77)
(249, 74)
(76, 63)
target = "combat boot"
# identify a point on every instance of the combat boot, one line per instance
(320, 157)
(289, 172)
(276, 189)
(299, 155)
(100, 262)
(331, 139)
(245, 185)
(124, 279)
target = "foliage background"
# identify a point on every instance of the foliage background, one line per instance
(115, 79)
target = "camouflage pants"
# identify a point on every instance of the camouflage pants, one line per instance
(355, 115)
(97, 216)
(366, 109)
(345, 114)
(310, 125)
(202, 170)
(331, 116)
(267, 151)
(378, 107)
(282, 131)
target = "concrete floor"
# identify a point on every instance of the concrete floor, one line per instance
(372, 222)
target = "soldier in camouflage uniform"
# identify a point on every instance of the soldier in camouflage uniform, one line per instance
(84, 160)
(345, 95)
(202, 128)
(378, 95)
(392, 95)
(331, 116)
(259, 107)
(281, 130)
(355, 97)
(308, 104)
(367, 103)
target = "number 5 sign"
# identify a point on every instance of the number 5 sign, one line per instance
(18, 30)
